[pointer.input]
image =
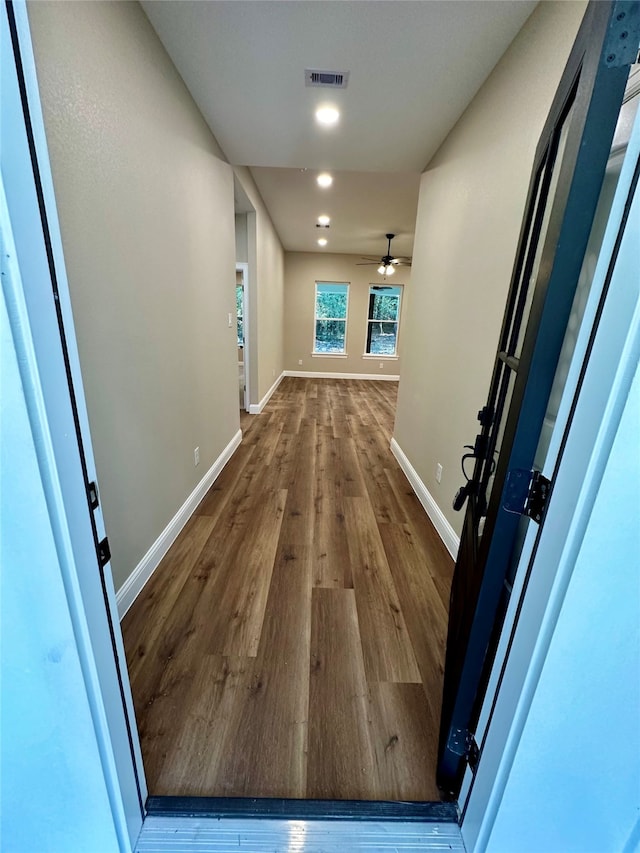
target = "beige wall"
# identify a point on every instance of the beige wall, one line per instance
(266, 292)
(146, 210)
(471, 203)
(302, 270)
(242, 249)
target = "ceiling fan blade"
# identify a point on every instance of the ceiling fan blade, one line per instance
(385, 259)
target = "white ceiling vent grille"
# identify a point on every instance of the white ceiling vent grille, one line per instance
(326, 79)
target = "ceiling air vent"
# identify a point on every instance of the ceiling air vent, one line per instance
(326, 79)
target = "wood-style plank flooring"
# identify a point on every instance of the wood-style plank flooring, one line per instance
(291, 642)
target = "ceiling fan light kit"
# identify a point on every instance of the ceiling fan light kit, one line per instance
(387, 263)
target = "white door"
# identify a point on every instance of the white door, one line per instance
(47, 322)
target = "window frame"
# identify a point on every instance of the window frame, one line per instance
(314, 352)
(367, 339)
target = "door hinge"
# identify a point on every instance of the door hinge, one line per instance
(463, 742)
(538, 496)
(104, 552)
(526, 493)
(621, 45)
(473, 754)
(92, 490)
(485, 416)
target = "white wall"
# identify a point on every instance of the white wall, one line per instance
(302, 270)
(575, 781)
(146, 207)
(471, 203)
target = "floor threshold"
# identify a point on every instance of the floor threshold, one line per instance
(221, 825)
(299, 809)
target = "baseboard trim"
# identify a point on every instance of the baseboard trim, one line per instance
(133, 585)
(256, 408)
(445, 530)
(313, 374)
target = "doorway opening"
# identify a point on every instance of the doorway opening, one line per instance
(390, 742)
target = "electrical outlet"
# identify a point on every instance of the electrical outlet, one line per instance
(300, 362)
(230, 320)
(196, 456)
(381, 364)
(438, 472)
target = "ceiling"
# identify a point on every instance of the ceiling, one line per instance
(414, 67)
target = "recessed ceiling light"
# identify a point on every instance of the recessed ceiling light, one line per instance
(327, 116)
(322, 242)
(323, 220)
(324, 180)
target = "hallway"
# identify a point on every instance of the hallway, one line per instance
(291, 642)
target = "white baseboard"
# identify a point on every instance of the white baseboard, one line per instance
(313, 374)
(133, 585)
(445, 530)
(256, 408)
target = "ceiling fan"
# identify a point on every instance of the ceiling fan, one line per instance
(387, 263)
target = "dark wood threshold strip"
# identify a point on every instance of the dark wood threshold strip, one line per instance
(298, 809)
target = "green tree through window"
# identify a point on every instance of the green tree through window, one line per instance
(383, 319)
(331, 317)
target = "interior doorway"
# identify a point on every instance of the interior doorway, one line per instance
(246, 298)
(242, 324)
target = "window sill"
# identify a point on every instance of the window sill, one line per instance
(381, 357)
(329, 355)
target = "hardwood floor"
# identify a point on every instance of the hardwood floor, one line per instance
(291, 642)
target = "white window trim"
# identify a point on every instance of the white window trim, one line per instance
(380, 357)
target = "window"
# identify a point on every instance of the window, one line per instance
(330, 329)
(384, 316)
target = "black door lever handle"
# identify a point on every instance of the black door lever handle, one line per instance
(461, 495)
